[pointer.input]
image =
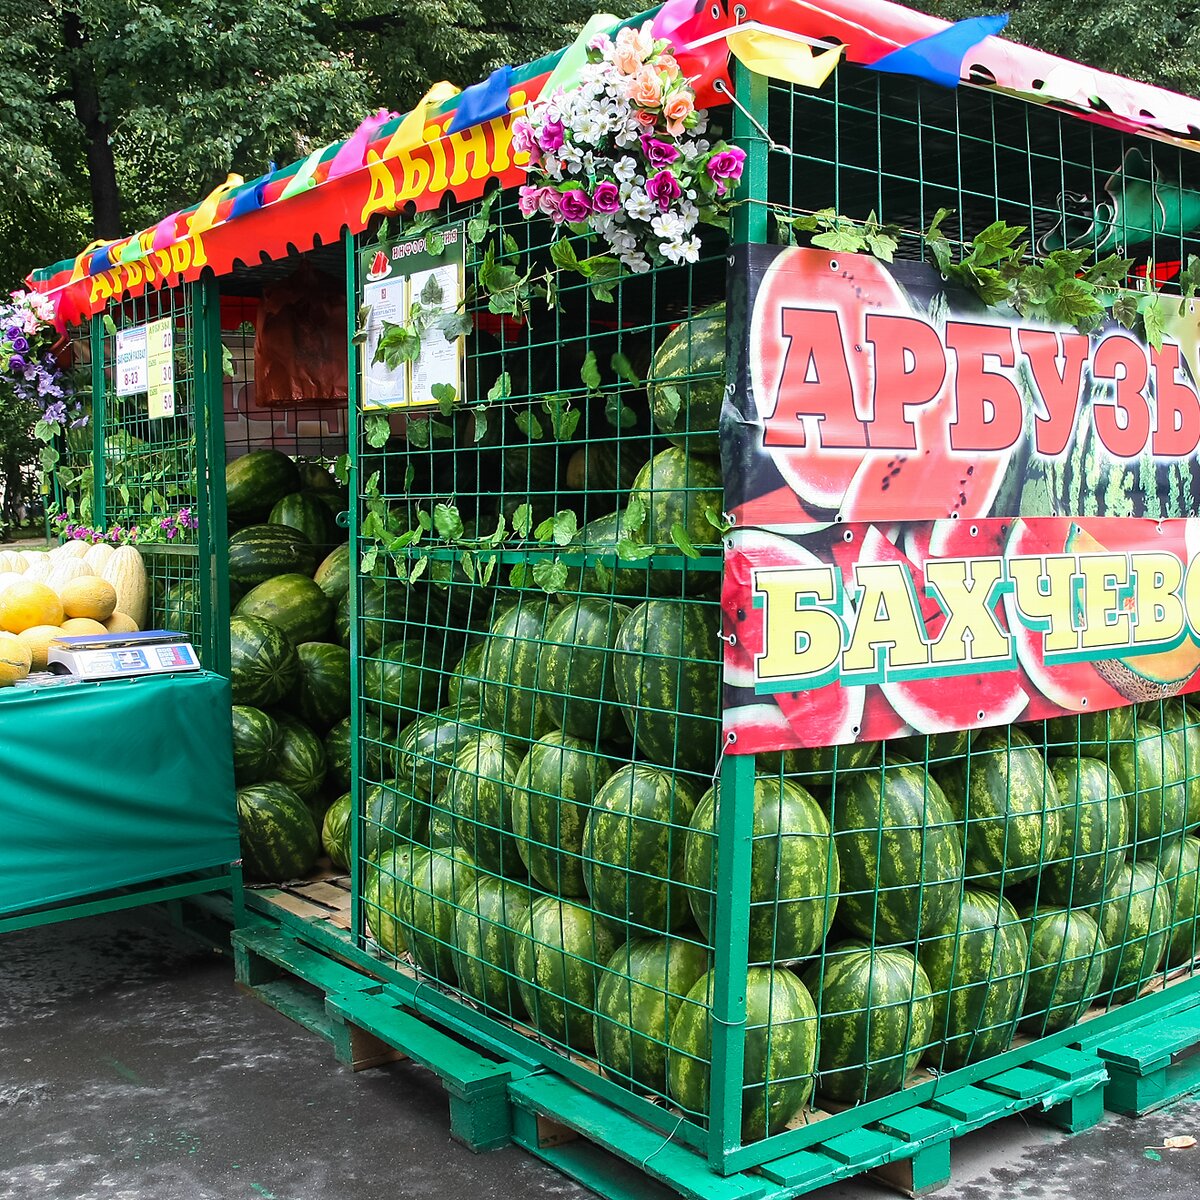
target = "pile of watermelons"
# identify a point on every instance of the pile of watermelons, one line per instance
(289, 569)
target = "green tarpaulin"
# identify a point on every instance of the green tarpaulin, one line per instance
(108, 784)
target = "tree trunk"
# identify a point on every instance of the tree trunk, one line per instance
(102, 167)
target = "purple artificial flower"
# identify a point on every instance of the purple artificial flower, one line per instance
(726, 165)
(575, 206)
(56, 413)
(20, 344)
(79, 533)
(606, 198)
(658, 154)
(16, 365)
(552, 136)
(79, 422)
(527, 199)
(62, 518)
(664, 188)
(13, 332)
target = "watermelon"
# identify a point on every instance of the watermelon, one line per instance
(669, 682)
(687, 381)
(899, 851)
(1066, 964)
(818, 766)
(301, 762)
(1151, 775)
(309, 514)
(278, 835)
(1006, 798)
(558, 959)
(640, 994)
(263, 665)
(255, 481)
(474, 810)
(385, 889)
(439, 882)
(876, 1019)
(335, 831)
(180, 607)
(293, 603)
(1135, 922)
(426, 748)
(1179, 865)
(1091, 732)
(260, 552)
(551, 797)
(337, 757)
(508, 676)
(976, 969)
(780, 1056)
(1180, 724)
(794, 877)
(323, 697)
(462, 687)
(256, 745)
(390, 817)
(379, 755)
(633, 848)
(333, 574)
(1095, 834)
(680, 489)
(936, 749)
(396, 683)
(484, 949)
(576, 672)
(317, 477)
(605, 576)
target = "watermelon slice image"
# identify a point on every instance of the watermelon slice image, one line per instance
(379, 266)
(940, 704)
(823, 716)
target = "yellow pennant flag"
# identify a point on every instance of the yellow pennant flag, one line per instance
(779, 57)
(411, 131)
(204, 216)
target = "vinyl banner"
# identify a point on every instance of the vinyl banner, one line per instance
(946, 517)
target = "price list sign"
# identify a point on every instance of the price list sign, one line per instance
(160, 368)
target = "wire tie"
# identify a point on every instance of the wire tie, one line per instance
(772, 144)
(664, 1143)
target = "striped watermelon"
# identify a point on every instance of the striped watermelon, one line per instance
(551, 797)
(397, 684)
(668, 679)
(462, 687)
(1179, 865)
(377, 746)
(640, 994)
(1091, 732)
(876, 1019)
(1180, 724)
(794, 877)
(558, 966)
(1066, 965)
(976, 969)
(817, 766)
(309, 514)
(509, 693)
(1151, 776)
(939, 750)
(337, 758)
(605, 576)
(780, 1057)
(260, 552)
(633, 849)
(256, 745)
(390, 817)
(1006, 797)
(1095, 834)
(484, 950)
(687, 381)
(475, 808)
(576, 672)
(292, 603)
(255, 481)
(278, 835)
(899, 851)
(426, 748)
(386, 887)
(439, 882)
(335, 831)
(333, 574)
(301, 762)
(1135, 922)
(263, 665)
(323, 697)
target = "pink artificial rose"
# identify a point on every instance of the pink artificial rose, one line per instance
(528, 198)
(551, 136)
(663, 188)
(627, 60)
(606, 198)
(645, 89)
(676, 110)
(574, 206)
(658, 154)
(648, 119)
(522, 139)
(726, 165)
(637, 41)
(549, 204)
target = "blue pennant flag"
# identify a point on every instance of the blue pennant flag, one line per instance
(101, 260)
(482, 101)
(939, 57)
(247, 200)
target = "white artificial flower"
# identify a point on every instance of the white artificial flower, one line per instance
(587, 128)
(625, 169)
(678, 250)
(668, 226)
(552, 165)
(637, 262)
(639, 205)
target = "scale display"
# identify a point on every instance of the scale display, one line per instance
(120, 655)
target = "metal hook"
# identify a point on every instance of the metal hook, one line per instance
(772, 144)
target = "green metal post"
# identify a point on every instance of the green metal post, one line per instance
(99, 409)
(209, 432)
(352, 424)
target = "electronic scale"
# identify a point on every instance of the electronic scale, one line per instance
(121, 655)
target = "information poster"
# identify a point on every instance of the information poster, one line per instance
(130, 363)
(160, 368)
(407, 288)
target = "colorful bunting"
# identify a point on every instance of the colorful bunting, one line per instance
(411, 130)
(248, 200)
(775, 54)
(205, 216)
(482, 101)
(566, 74)
(304, 176)
(353, 152)
(939, 57)
(165, 232)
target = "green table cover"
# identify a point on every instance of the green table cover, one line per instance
(108, 784)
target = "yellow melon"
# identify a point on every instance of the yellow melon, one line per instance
(97, 556)
(78, 626)
(87, 596)
(37, 566)
(64, 571)
(121, 622)
(38, 639)
(29, 602)
(14, 659)
(73, 549)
